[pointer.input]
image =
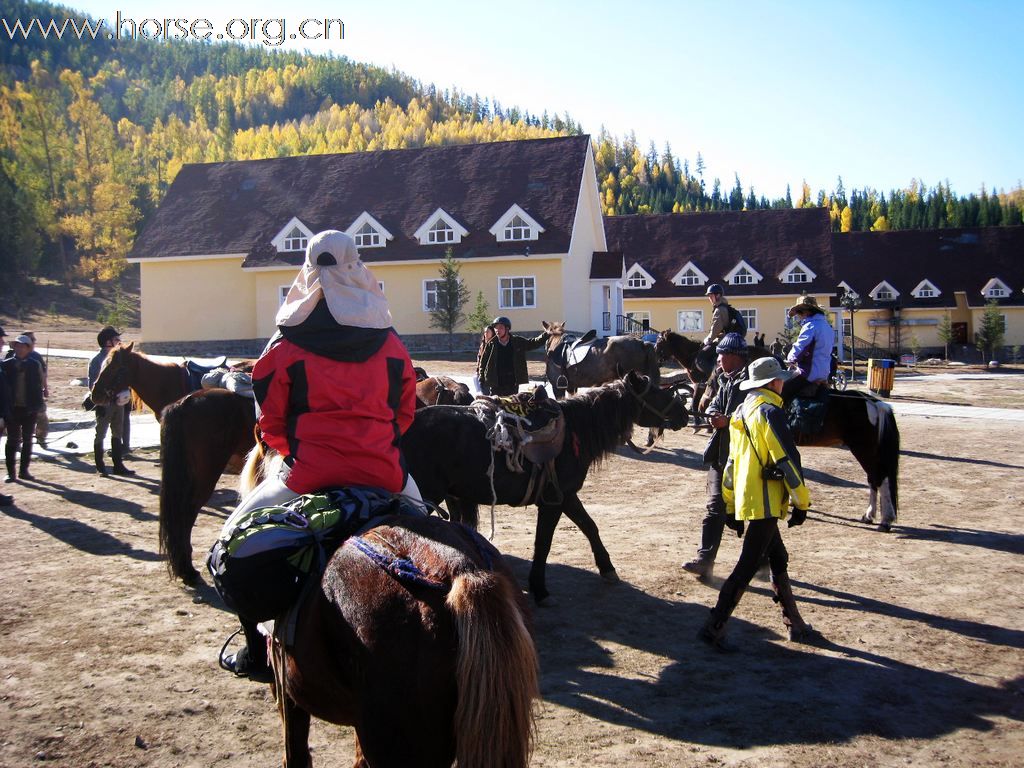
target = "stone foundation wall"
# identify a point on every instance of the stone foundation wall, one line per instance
(423, 344)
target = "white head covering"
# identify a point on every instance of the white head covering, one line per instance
(351, 290)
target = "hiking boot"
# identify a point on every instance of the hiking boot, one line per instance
(116, 452)
(701, 568)
(714, 635)
(241, 665)
(807, 635)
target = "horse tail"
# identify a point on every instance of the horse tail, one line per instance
(889, 453)
(496, 673)
(176, 492)
(253, 472)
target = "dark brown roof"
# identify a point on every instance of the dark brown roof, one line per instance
(952, 259)
(715, 242)
(606, 265)
(239, 207)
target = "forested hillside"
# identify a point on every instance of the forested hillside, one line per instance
(93, 132)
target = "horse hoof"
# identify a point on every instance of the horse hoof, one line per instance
(611, 577)
(884, 527)
(867, 519)
(190, 578)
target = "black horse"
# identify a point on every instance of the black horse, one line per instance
(448, 452)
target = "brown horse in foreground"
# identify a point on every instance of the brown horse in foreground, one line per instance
(417, 636)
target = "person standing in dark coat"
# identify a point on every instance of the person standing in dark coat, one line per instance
(732, 359)
(5, 413)
(503, 365)
(25, 380)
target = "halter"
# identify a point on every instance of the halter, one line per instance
(120, 380)
(644, 405)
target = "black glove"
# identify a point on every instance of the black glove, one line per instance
(797, 517)
(735, 525)
(87, 403)
(101, 411)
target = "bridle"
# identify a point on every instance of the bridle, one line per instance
(120, 379)
(641, 397)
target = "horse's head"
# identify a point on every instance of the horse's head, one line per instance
(555, 333)
(658, 407)
(113, 376)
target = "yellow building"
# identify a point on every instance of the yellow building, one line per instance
(523, 218)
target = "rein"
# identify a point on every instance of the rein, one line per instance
(644, 405)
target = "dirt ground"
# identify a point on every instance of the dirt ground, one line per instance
(105, 662)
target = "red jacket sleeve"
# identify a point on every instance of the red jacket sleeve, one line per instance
(272, 387)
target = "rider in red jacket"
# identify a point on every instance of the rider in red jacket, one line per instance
(335, 389)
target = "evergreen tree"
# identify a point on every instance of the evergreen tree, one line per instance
(945, 332)
(990, 336)
(480, 318)
(452, 296)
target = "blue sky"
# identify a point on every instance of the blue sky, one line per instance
(877, 92)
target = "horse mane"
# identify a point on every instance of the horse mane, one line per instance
(600, 419)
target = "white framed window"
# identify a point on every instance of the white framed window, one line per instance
(926, 289)
(995, 289)
(367, 232)
(690, 320)
(743, 274)
(743, 277)
(440, 228)
(750, 318)
(797, 272)
(640, 316)
(293, 236)
(690, 278)
(440, 232)
(884, 292)
(517, 229)
(689, 275)
(517, 292)
(295, 240)
(367, 237)
(282, 294)
(638, 278)
(797, 275)
(429, 294)
(516, 224)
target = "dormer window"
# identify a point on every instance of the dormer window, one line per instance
(743, 274)
(294, 236)
(440, 232)
(440, 228)
(368, 232)
(796, 272)
(925, 290)
(689, 275)
(995, 289)
(638, 278)
(367, 237)
(883, 292)
(295, 240)
(742, 278)
(516, 224)
(518, 229)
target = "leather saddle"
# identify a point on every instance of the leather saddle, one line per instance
(196, 368)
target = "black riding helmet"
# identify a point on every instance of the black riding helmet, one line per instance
(107, 334)
(504, 321)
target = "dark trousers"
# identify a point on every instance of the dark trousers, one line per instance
(21, 426)
(761, 539)
(712, 525)
(504, 390)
